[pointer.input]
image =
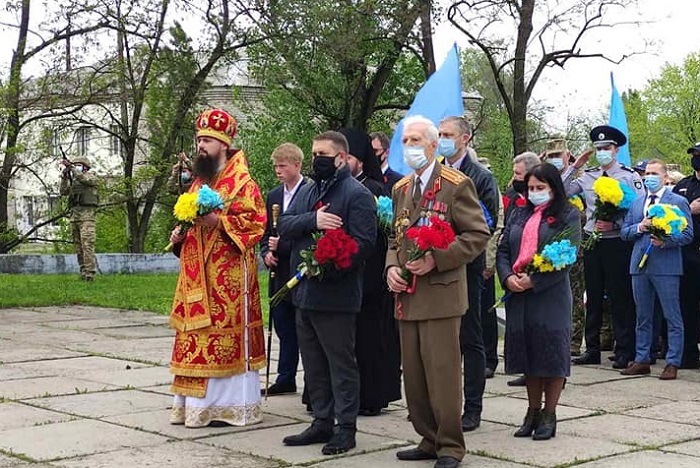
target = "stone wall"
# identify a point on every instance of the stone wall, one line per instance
(106, 263)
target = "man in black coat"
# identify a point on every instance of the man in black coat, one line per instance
(455, 133)
(287, 160)
(327, 308)
(377, 345)
(380, 145)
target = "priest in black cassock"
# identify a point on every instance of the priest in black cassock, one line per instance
(377, 341)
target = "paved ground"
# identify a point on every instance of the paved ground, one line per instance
(87, 387)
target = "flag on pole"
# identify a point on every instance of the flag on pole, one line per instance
(439, 97)
(618, 119)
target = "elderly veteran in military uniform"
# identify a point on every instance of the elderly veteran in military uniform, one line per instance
(81, 187)
(429, 316)
(606, 264)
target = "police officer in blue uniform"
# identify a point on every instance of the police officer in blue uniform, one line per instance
(606, 265)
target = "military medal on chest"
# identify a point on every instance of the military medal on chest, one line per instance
(430, 206)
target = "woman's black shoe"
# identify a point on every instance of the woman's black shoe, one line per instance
(530, 423)
(547, 428)
(517, 382)
(369, 412)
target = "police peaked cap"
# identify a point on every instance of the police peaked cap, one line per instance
(605, 135)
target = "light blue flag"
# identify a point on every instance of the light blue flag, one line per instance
(439, 97)
(618, 119)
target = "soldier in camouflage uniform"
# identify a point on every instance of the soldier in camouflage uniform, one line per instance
(81, 187)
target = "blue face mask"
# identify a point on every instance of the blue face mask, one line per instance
(604, 157)
(653, 182)
(446, 147)
(414, 157)
(556, 162)
(539, 198)
(185, 176)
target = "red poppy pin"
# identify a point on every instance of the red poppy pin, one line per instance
(520, 202)
(429, 195)
(551, 220)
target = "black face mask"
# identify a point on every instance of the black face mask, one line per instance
(323, 167)
(520, 186)
(695, 162)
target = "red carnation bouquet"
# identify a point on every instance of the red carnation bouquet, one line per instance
(436, 235)
(332, 249)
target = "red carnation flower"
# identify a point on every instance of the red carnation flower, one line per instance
(429, 195)
(551, 220)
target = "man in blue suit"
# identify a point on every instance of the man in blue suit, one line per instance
(661, 274)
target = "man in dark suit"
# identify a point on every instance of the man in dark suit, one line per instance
(689, 188)
(287, 160)
(380, 145)
(327, 307)
(455, 134)
(430, 315)
(660, 276)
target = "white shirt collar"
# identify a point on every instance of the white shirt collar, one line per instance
(458, 163)
(658, 194)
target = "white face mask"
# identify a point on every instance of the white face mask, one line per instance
(414, 157)
(539, 198)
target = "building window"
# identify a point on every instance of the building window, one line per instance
(115, 143)
(54, 207)
(29, 210)
(56, 143)
(82, 136)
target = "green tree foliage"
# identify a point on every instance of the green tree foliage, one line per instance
(664, 116)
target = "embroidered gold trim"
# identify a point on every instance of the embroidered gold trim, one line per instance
(233, 415)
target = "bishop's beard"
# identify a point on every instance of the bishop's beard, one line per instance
(205, 167)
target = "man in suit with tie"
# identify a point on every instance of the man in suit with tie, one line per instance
(430, 315)
(380, 145)
(660, 276)
(286, 160)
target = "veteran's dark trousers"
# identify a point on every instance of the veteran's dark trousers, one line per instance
(327, 345)
(606, 269)
(431, 374)
(471, 340)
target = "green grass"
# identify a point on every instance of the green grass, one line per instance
(135, 292)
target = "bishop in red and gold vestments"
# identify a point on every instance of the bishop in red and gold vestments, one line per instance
(219, 341)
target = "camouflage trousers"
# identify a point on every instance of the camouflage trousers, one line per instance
(578, 325)
(83, 228)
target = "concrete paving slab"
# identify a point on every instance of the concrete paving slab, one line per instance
(676, 390)
(561, 450)
(152, 350)
(686, 412)
(21, 371)
(689, 448)
(73, 438)
(139, 331)
(100, 405)
(172, 455)
(604, 397)
(507, 410)
(48, 386)
(11, 462)
(162, 389)
(15, 352)
(289, 406)
(585, 375)
(645, 459)
(94, 324)
(23, 316)
(136, 378)
(387, 458)
(79, 366)
(499, 385)
(158, 421)
(615, 427)
(17, 415)
(268, 444)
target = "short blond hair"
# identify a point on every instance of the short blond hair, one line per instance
(287, 152)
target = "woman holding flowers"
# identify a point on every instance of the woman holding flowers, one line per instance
(533, 259)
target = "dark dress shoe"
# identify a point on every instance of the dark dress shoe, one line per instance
(547, 427)
(489, 373)
(341, 442)
(530, 423)
(311, 435)
(415, 454)
(623, 363)
(280, 389)
(636, 368)
(309, 409)
(470, 422)
(589, 357)
(447, 462)
(369, 412)
(519, 382)
(670, 372)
